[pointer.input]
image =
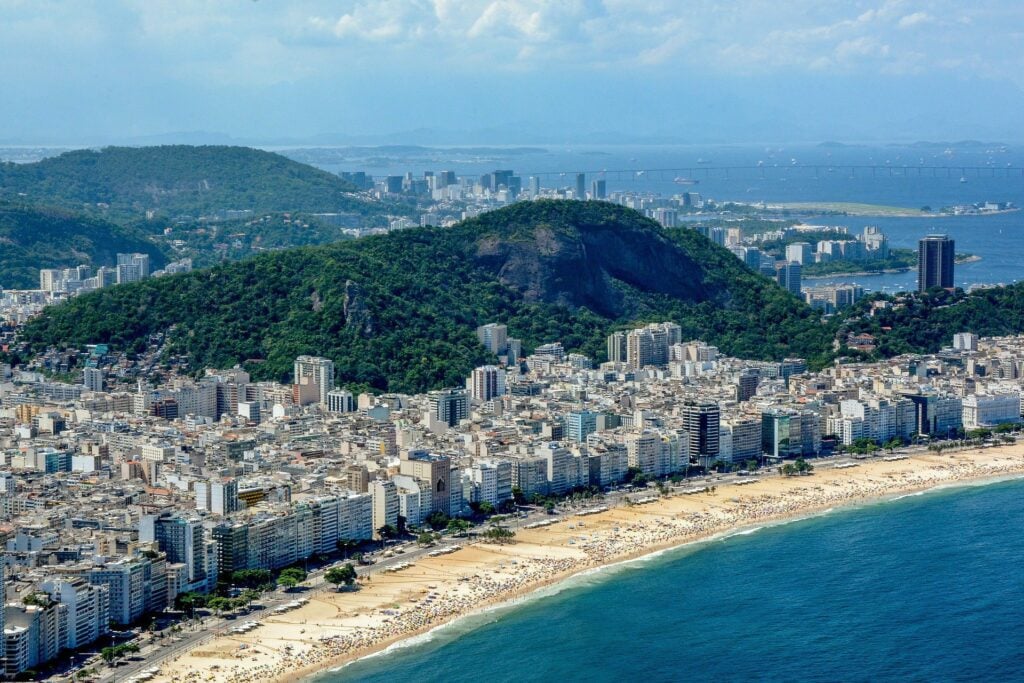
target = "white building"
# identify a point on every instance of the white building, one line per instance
(320, 371)
(385, 504)
(987, 410)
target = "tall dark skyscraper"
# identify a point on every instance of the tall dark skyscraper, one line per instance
(935, 255)
(581, 186)
(701, 422)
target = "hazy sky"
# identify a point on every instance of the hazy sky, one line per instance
(529, 70)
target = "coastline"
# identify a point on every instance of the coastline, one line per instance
(860, 210)
(973, 258)
(335, 629)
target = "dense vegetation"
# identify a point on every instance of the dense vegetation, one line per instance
(899, 259)
(32, 238)
(924, 323)
(209, 243)
(180, 179)
(398, 311)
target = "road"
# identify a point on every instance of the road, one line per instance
(157, 652)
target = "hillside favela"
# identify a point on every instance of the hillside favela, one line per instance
(511, 340)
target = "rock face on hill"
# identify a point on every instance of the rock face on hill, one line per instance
(398, 312)
(582, 264)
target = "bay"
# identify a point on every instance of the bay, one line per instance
(922, 588)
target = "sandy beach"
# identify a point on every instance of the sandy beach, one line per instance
(334, 628)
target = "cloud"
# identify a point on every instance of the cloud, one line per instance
(915, 19)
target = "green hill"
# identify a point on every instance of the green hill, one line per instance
(398, 311)
(925, 323)
(32, 238)
(181, 179)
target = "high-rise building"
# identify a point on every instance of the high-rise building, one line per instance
(579, 424)
(642, 451)
(581, 186)
(650, 345)
(487, 383)
(449, 406)
(218, 497)
(702, 423)
(92, 378)
(640, 348)
(434, 471)
(319, 370)
(132, 267)
(788, 274)
(801, 252)
(182, 539)
(50, 280)
(746, 385)
(514, 351)
(494, 336)
(385, 505)
(597, 189)
(617, 347)
(534, 187)
(935, 257)
(340, 401)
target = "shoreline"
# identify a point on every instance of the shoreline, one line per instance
(875, 211)
(973, 258)
(563, 583)
(396, 609)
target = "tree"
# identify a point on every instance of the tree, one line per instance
(425, 538)
(296, 574)
(345, 574)
(437, 520)
(458, 527)
(386, 533)
(486, 508)
(517, 496)
(631, 474)
(251, 578)
(287, 582)
(190, 601)
(499, 535)
(345, 545)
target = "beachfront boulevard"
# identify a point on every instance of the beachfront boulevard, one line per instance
(214, 527)
(421, 592)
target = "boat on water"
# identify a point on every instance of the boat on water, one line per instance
(963, 179)
(686, 181)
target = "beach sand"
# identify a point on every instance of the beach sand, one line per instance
(334, 628)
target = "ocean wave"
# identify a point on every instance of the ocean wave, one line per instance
(592, 576)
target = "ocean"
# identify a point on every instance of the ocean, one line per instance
(777, 173)
(926, 587)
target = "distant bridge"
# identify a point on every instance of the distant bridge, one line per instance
(709, 172)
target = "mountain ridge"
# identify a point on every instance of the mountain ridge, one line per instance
(34, 237)
(179, 179)
(551, 270)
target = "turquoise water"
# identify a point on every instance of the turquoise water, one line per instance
(923, 588)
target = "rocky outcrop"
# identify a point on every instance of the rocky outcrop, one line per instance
(587, 265)
(357, 315)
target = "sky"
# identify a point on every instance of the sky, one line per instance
(509, 71)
